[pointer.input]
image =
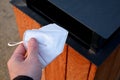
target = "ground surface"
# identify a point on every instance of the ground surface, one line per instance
(8, 33)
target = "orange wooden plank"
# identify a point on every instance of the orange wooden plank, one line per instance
(77, 66)
(110, 69)
(92, 71)
(43, 75)
(115, 75)
(56, 69)
(24, 22)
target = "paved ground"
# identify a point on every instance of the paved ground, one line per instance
(8, 32)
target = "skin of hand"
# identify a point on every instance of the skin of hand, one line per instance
(30, 65)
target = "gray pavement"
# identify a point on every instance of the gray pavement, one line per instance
(8, 33)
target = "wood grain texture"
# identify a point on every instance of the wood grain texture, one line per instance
(77, 66)
(24, 22)
(110, 69)
(56, 69)
(43, 75)
(92, 71)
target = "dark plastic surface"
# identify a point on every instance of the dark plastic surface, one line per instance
(98, 15)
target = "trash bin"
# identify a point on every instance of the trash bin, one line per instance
(85, 49)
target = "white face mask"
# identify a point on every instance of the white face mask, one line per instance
(51, 39)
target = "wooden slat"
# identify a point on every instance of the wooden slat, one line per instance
(77, 66)
(43, 75)
(110, 69)
(92, 72)
(56, 69)
(116, 66)
(24, 22)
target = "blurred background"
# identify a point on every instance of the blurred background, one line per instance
(8, 33)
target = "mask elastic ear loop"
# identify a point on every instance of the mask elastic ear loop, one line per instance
(14, 43)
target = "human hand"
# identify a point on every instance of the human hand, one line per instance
(29, 65)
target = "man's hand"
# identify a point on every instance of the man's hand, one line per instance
(29, 65)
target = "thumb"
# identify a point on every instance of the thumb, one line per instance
(32, 48)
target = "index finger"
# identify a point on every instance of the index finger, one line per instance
(19, 52)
